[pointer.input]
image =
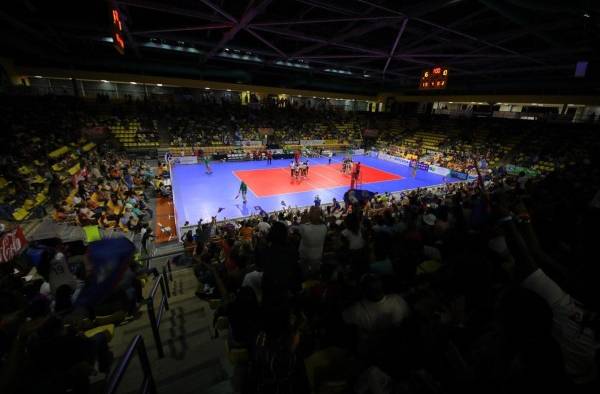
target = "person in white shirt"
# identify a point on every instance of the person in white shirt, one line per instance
(352, 234)
(375, 315)
(263, 227)
(578, 342)
(59, 273)
(312, 241)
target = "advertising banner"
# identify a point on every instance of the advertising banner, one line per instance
(370, 132)
(359, 151)
(516, 170)
(95, 132)
(459, 175)
(423, 166)
(11, 244)
(251, 143)
(185, 159)
(312, 142)
(439, 170)
(395, 159)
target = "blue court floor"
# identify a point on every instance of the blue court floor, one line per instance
(199, 195)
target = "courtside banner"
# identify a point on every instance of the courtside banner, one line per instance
(296, 142)
(439, 170)
(423, 166)
(395, 159)
(359, 151)
(251, 143)
(185, 159)
(459, 175)
(312, 142)
(11, 244)
(516, 170)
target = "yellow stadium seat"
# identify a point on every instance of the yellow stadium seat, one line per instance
(24, 170)
(58, 152)
(40, 198)
(75, 169)
(108, 330)
(20, 214)
(236, 356)
(88, 147)
(115, 318)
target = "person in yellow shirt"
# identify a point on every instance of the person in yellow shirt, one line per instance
(115, 206)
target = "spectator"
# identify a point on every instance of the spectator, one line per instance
(312, 240)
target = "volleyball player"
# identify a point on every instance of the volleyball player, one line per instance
(243, 191)
(297, 157)
(207, 165)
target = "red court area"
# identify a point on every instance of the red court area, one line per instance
(272, 181)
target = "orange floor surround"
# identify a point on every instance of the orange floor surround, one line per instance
(164, 229)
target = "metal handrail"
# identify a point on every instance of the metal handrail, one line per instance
(166, 275)
(162, 255)
(169, 270)
(158, 256)
(156, 316)
(148, 384)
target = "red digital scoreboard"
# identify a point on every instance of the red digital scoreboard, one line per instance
(435, 78)
(117, 31)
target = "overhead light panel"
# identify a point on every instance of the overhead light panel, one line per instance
(167, 47)
(291, 64)
(237, 56)
(336, 71)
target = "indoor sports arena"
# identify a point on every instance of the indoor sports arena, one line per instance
(299, 196)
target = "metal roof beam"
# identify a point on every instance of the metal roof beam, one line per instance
(249, 14)
(400, 32)
(169, 9)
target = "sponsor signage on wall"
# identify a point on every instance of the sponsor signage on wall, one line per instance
(11, 244)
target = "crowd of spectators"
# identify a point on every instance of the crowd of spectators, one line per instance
(466, 287)
(58, 308)
(109, 191)
(478, 286)
(198, 124)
